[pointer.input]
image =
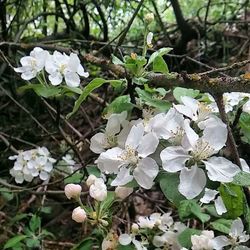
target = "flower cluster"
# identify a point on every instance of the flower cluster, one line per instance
(185, 140)
(32, 163)
(160, 228)
(58, 66)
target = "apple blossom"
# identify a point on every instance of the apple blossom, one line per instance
(134, 158)
(98, 190)
(61, 66)
(149, 39)
(149, 17)
(196, 150)
(72, 191)
(101, 141)
(79, 215)
(32, 64)
(90, 180)
(203, 241)
(32, 163)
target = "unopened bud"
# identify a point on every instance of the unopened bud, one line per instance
(91, 179)
(123, 192)
(149, 18)
(135, 228)
(72, 191)
(79, 215)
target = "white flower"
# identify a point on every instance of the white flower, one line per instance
(126, 239)
(101, 141)
(149, 39)
(167, 126)
(79, 215)
(203, 241)
(237, 236)
(195, 150)
(68, 160)
(32, 163)
(193, 109)
(98, 190)
(32, 64)
(123, 192)
(61, 66)
(134, 158)
(72, 191)
(149, 222)
(218, 202)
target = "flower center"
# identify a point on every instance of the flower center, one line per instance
(204, 111)
(176, 135)
(130, 156)
(202, 150)
(62, 67)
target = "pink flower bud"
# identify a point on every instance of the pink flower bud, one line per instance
(72, 191)
(123, 192)
(79, 215)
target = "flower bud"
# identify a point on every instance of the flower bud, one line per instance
(149, 18)
(98, 190)
(123, 192)
(135, 228)
(79, 215)
(91, 179)
(72, 191)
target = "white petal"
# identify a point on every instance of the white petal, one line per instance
(55, 78)
(110, 160)
(220, 242)
(192, 182)
(73, 63)
(244, 166)
(98, 143)
(148, 145)
(149, 38)
(72, 79)
(81, 72)
(220, 206)
(215, 132)
(221, 169)
(125, 239)
(135, 136)
(209, 195)
(174, 158)
(28, 75)
(44, 175)
(145, 172)
(114, 123)
(237, 228)
(123, 177)
(190, 138)
(48, 167)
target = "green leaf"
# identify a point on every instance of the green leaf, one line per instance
(178, 92)
(93, 169)
(116, 60)
(94, 84)
(75, 178)
(85, 244)
(35, 223)
(6, 194)
(222, 225)
(32, 243)
(188, 208)
(160, 66)
(13, 241)
(66, 89)
(106, 204)
(184, 237)
(244, 123)
(160, 52)
(128, 247)
(242, 179)
(150, 100)
(169, 185)
(233, 198)
(41, 90)
(120, 104)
